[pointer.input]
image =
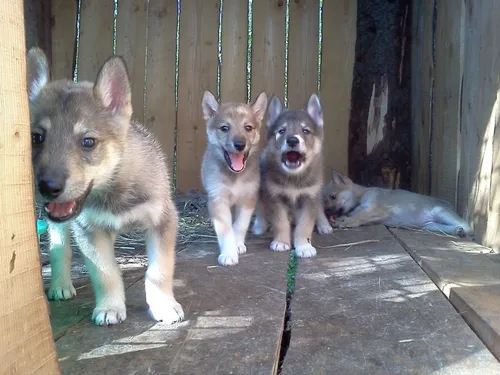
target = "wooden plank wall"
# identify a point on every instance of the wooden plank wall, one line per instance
(464, 136)
(146, 33)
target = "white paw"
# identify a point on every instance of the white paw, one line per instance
(109, 316)
(228, 259)
(305, 251)
(168, 311)
(242, 249)
(324, 228)
(279, 246)
(61, 291)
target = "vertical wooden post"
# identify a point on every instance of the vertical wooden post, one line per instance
(27, 345)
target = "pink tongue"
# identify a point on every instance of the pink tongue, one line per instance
(236, 161)
(60, 209)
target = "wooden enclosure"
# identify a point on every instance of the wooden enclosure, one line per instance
(456, 108)
(177, 49)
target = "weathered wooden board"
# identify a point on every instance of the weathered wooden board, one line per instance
(96, 37)
(160, 112)
(199, 22)
(339, 40)
(268, 51)
(450, 27)
(233, 324)
(233, 85)
(131, 24)
(63, 38)
(303, 52)
(467, 273)
(369, 309)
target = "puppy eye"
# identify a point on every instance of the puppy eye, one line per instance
(306, 131)
(248, 128)
(88, 143)
(224, 128)
(37, 138)
(333, 197)
(281, 131)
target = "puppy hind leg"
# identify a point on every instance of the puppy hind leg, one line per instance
(220, 213)
(61, 286)
(450, 219)
(160, 247)
(98, 248)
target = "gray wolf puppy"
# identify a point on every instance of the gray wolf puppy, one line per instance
(230, 170)
(292, 177)
(354, 205)
(99, 174)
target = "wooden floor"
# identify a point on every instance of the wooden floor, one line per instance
(374, 301)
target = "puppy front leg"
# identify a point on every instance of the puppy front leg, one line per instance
(322, 224)
(305, 218)
(369, 215)
(220, 212)
(260, 224)
(243, 216)
(98, 248)
(61, 286)
(280, 224)
(160, 247)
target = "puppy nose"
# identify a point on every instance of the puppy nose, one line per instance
(292, 141)
(239, 144)
(51, 188)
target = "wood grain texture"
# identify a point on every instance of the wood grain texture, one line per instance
(27, 345)
(447, 98)
(160, 114)
(303, 52)
(131, 23)
(268, 51)
(197, 73)
(339, 41)
(96, 37)
(64, 14)
(480, 117)
(233, 86)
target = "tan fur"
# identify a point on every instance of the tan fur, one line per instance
(290, 193)
(122, 183)
(231, 195)
(353, 205)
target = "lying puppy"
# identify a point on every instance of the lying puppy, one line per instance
(353, 205)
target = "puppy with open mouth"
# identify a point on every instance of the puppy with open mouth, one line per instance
(292, 177)
(98, 174)
(230, 170)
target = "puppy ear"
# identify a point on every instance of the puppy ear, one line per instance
(338, 178)
(112, 86)
(209, 105)
(38, 74)
(259, 106)
(273, 111)
(314, 110)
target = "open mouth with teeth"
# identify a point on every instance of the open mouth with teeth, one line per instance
(60, 212)
(235, 162)
(292, 159)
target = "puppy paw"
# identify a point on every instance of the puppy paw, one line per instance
(168, 311)
(346, 222)
(279, 246)
(242, 249)
(61, 291)
(228, 259)
(460, 232)
(305, 251)
(324, 229)
(104, 316)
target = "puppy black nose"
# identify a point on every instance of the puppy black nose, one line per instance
(292, 141)
(239, 144)
(51, 188)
